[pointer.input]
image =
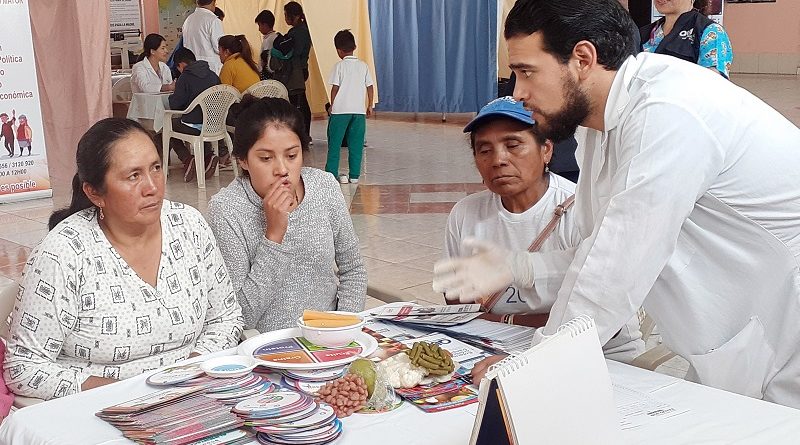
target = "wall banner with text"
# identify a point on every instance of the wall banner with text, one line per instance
(23, 154)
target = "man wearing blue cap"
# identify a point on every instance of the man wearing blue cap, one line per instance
(525, 207)
(688, 200)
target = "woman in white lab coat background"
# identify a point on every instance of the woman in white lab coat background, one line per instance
(688, 200)
(151, 73)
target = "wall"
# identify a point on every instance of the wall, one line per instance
(765, 36)
(149, 16)
(71, 48)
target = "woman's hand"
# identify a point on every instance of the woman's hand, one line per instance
(480, 368)
(278, 202)
(168, 87)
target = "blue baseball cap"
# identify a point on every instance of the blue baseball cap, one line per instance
(504, 106)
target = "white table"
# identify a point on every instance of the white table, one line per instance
(148, 109)
(714, 417)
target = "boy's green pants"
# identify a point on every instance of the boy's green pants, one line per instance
(353, 126)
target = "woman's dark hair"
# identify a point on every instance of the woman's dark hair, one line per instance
(564, 23)
(219, 13)
(258, 114)
(701, 5)
(151, 43)
(239, 44)
(293, 10)
(344, 40)
(266, 17)
(532, 129)
(93, 158)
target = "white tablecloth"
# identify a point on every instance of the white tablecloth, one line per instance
(714, 417)
(148, 109)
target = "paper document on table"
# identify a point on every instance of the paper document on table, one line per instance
(637, 408)
(638, 379)
(444, 315)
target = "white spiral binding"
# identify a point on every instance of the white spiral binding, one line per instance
(509, 365)
(573, 328)
(577, 325)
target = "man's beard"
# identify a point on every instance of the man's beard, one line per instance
(563, 123)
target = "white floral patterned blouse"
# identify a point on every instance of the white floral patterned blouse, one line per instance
(82, 311)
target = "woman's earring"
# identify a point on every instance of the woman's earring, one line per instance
(547, 168)
(102, 216)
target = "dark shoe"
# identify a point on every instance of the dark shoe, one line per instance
(189, 170)
(211, 166)
(225, 161)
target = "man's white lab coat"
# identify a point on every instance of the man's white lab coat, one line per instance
(201, 32)
(689, 202)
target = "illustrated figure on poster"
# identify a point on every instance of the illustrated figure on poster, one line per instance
(8, 131)
(24, 135)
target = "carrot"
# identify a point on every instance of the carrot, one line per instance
(317, 315)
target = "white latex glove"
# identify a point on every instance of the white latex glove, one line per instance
(490, 268)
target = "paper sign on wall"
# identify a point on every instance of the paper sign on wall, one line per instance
(23, 153)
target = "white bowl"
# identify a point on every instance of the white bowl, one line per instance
(331, 337)
(229, 366)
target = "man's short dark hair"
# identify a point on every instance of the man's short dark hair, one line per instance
(266, 17)
(184, 55)
(204, 2)
(564, 23)
(345, 41)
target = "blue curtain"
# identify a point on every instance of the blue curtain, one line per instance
(434, 55)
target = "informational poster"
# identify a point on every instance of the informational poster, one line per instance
(23, 156)
(171, 15)
(126, 15)
(713, 10)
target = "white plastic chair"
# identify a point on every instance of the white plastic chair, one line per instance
(268, 88)
(265, 88)
(8, 296)
(215, 103)
(121, 92)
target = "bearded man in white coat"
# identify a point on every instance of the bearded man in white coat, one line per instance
(688, 201)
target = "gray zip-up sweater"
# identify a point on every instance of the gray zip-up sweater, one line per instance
(275, 282)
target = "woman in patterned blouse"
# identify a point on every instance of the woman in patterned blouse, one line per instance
(685, 32)
(124, 282)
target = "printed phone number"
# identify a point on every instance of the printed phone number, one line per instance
(16, 164)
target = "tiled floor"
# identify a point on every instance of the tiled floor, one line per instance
(415, 168)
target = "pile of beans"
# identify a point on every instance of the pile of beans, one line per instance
(346, 395)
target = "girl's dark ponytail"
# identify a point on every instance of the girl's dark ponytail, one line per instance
(79, 202)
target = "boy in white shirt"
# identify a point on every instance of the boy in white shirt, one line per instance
(351, 103)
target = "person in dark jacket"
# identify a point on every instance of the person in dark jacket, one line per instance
(301, 39)
(196, 77)
(686, 33)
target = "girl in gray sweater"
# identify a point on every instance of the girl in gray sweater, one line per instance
(284, 230)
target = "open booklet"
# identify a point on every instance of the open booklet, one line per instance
(558, 391)
(443, 315)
